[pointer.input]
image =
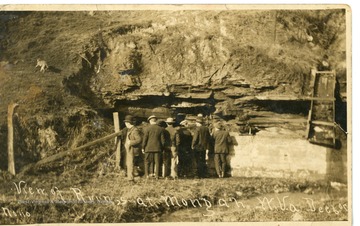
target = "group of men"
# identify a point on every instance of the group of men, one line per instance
(176, 148)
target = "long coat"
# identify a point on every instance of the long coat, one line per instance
(184, 139)
(201, 138)
(154, 139)
(134, 136)
(173, 135)
(222, 141)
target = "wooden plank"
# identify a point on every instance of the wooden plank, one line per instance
(307, 132)
(312, 85)
(117, 140)
(320, 99)
(333, 89)
(71, 151)
(10, 143)
(325, 72)
(323, 123)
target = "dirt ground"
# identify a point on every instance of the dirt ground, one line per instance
(110, 198)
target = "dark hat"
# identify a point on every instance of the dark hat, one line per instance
(151, 117)
(129, 118)
(170, 120)
(161, 123)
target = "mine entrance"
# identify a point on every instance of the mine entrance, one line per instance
(321, 119)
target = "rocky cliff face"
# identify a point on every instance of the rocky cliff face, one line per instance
(213, 61)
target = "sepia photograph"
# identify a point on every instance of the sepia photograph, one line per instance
(175, 113)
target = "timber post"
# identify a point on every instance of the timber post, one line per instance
(117, 140)
(11, 160)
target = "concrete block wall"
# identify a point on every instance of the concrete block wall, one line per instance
(278, 156)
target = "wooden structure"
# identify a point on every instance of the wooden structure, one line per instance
(74, 150)
(321, 118)
(10, 143)
(117, 140)
(108, 137)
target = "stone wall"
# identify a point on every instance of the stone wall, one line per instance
(278, 156)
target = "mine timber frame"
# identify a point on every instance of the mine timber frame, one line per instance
(317, 78)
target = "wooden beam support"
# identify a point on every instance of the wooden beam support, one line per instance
(323, 123)
(320, 99)
(117, 140)
(11, 158)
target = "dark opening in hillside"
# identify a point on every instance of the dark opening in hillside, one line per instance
(284, 107)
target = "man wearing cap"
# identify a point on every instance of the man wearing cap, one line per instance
(222, 141)
(170, 151)
(153, 143)
(132, 145)
(200, 145)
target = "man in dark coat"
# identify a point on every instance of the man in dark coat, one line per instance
(153, 143)
(200, 145)
(132, 145)
(170, 151)
(183, 147)
(123, 150)
(222, 141)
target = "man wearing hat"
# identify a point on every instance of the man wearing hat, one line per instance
(200, 145)
(183, 148)
(153, 143)
(170, 152)
(132, 145)
(222, 141)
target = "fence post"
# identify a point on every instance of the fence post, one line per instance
(11, 161)
(117, 140)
